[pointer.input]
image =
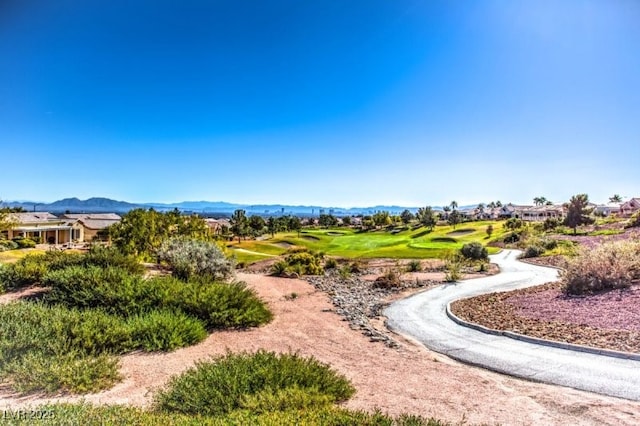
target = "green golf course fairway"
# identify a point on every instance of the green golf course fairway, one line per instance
(349, 243)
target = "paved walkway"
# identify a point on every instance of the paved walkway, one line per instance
(423, 317)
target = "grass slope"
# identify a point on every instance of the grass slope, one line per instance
(408, 244)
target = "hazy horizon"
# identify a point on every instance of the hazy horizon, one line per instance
(339, 104)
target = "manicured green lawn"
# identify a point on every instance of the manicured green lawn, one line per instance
(344, 242)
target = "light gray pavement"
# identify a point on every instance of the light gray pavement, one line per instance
(423, 317)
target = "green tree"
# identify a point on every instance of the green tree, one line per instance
(578, 212)
(141, 232)
(455, 218)
(239, 223)
(446, 210)
(454, 205)
(616, 198)
(295, 224)
(382, 218)
(256, 224)
(327, 220)
(426, 217)
(346, 221)
(406, 216)
(489, 230)
(272, 226)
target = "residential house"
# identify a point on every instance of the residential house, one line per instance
(218, 226)
(628, 208)
(607, 209)
(540, 213)
(94, 224)
(44, 227)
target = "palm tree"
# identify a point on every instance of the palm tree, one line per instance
(446, 210)
(454, 205)
(539, 201)
(481, 210)
(616, 198)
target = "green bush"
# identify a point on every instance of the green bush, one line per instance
(231, 382)
(414, 266)
(87, 414)
(8, 245)
(191, 258)
(605, 267)
(305, 263)
(39, 353)
(533, 251)
(280, 268)
(474, 251)
(28, 270)
(634, 221)
(453, 267)
(165, 331)
(112, 289)
(330, 263)
(24, 243)
(219, 305)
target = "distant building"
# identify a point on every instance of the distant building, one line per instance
(628, 208)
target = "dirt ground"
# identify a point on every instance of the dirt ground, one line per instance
(410, 379)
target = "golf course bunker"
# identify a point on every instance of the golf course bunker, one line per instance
(335, 234)
(311, 237)
(285, 244)
(462, 231)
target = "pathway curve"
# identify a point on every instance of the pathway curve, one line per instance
(423, 317)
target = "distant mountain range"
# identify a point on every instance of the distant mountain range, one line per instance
(208, 208)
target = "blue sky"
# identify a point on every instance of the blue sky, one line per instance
(334, 103)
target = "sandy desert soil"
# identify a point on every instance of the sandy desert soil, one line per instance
(406, 379)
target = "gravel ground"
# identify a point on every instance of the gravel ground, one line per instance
(609, 320)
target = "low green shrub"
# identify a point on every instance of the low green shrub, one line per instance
(634, 221)
(414, 266)
(8, 245)
(608, 266)
(330, 263)
(474, 251)
(218, 305)
(234, 381)
(389, 279)
(280, 269)
(113, 289)
(305, 263)
(533, 251)
(86, 414)
(24, 243)
(453, 267)
(165, 330)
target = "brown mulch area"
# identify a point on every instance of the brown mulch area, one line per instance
(608, 320)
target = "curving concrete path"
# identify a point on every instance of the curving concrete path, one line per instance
(423, 317)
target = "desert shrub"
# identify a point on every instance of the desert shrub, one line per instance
(608, 266)
(330, 263)
(389, 279)
(305, 262)
(345, 272)
(190, 258)
(634, 221)
(474, 251)
(70, 372)
(414, 266)
(234, 381)
(356, 266)
(24, 243)
(28, 270)
(8, 245)
(218, 305)
(280, 268)
(549, 243)
(84, 413)
(551, 223)
(512, 237)
(39, 353)
(453, 267)
(113, 289)
(165, 330)
(533, 251)
(111, 257)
